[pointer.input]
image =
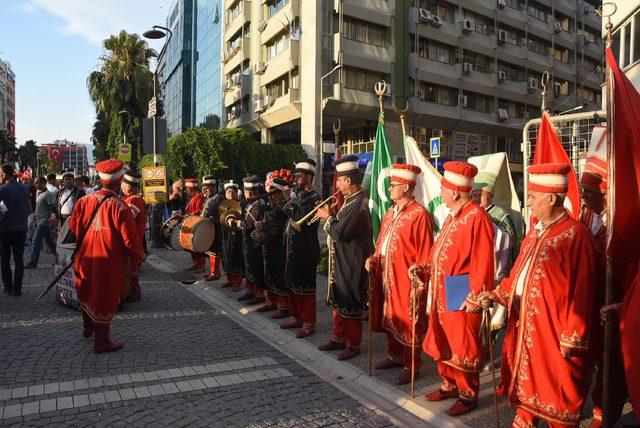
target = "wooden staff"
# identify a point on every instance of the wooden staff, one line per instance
(414, 289)
(370, 281)
(487, 322)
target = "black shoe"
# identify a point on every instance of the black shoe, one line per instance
(8, 291)
(30, 266)
(17, 293)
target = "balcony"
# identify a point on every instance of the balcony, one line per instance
(539, 28)
(237, 58)
(362, 55)
(511, 17)
(538, 62)
(238, 121)
(479, 42)
(564, 71)
(376, 11)
(566, 8)
(515, 91)
(482, 7)
(236, 23)
(482, 83)
(276, 22)
(283, 109)
(435, 115)
(565, 39)
(593, 50)
(280, 64)
(434, 71)
(354, 96)
(447, 33)
(236, 92)
(229, 3)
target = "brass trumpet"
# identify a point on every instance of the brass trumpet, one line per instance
(311, 217)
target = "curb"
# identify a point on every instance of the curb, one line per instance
(371, 392)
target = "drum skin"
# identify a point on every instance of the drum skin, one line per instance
(170, 233)
(197, 234)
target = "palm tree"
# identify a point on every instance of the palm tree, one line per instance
(123, 81)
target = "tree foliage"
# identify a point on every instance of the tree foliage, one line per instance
(28, 154)
(123, 82)
(226, 153)
(7, 147)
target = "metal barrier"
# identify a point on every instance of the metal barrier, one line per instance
(574, 131)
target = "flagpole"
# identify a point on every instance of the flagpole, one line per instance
(609, 327)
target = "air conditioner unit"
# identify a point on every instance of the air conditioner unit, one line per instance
(225, 58)
(557, 88)
(258, 68)
(420, 94)
(266, 100)
(467, 67)
(234, 111)
(588, 8)
(557, 27)
(533, 84)
(258, 106)
(436, 21)
(236, 79)
(502, 4)
(387, 90)
(502, 114)
(262, 25)
(589, 38)
(502, 76)
(468, 25)
(462, 100)
(424, 16)
(502, 37)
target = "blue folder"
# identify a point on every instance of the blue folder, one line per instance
(457, 289)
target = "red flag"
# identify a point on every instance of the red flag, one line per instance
(625, 175)
(549, 150)
(339, 196)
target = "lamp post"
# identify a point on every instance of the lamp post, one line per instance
(156, 32)
(319, 147)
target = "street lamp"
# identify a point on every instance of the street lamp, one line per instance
(156, 32)
(319, 147)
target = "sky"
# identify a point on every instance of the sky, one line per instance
(53, 46)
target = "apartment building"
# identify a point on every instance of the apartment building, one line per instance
(7, 98)
(626, 37)
(470, 70)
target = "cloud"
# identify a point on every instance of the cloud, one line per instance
(95, 20)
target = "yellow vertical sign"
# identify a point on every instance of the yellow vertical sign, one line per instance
(154, 184)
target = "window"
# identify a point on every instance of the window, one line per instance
(564, 21)
(482, 24)
(563, 54)
(277, 88)
(437, 94)
(636, 38)
(480, 63)
(516, 4)
(362, 80)
(537, 45)
(513, 73)
(590, 95)
(358, 140)
(274, 6)
(364, 32)
(562, 88)
(234, 12)
(277, 45)
(537, 11)
(626, 57)
(444, 10)
(435, 51)
(477, 102)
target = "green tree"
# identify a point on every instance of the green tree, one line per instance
(7, 147)
(45, 164)
(27, 154)
(99, 136)
(122, 82)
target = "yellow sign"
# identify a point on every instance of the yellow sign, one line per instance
(124, 154)
(154, 184)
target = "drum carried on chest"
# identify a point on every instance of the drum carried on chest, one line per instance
(197, 234)
(170, 233)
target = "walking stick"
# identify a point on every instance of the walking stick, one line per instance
(414, 287)
(370, 281)
(487, 323)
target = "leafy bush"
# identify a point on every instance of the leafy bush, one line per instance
(323, 264)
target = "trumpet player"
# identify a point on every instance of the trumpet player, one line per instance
(350, 243)
(302, 249)
(232, 257)
(252, 250)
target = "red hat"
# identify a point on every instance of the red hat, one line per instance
(459, 176)
(405, 174)
(592, 181)
(549, 178)
(191, 182)
(110, 171)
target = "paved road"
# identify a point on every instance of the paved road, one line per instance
(183, 364)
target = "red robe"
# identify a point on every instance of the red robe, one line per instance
(411, 236)
(136, 203)
(465, 246)
(556, 313)
(109, 247)
(629, 327)
(194, 207)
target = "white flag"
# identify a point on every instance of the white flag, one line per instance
(427, 191)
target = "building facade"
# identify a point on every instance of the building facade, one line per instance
(469, 70)
(626, 38)
(7, 98)
(69, 156)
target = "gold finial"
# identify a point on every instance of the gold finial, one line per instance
(544, 82)
(402, 114)
(608, 26)
(381, 89)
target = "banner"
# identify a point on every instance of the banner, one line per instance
(381, 170)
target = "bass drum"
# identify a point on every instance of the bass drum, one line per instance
(197, 234)
(170, 233)
(65, 238)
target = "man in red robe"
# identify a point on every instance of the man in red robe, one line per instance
(194, 207)
(405, 239)
(108, 246)
(132, 197)
(546, 364)
(464, 249)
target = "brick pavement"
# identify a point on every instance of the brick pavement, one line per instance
(183, 364)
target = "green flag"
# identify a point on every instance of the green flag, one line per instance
(379, 181)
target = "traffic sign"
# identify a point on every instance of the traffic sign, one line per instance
(434, 147)
(124, 154)
(152, 107)
(154, 184)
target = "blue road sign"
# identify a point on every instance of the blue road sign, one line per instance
(434, 145)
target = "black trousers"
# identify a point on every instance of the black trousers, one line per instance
(12, 242)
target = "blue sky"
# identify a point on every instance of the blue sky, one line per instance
(52, 46)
